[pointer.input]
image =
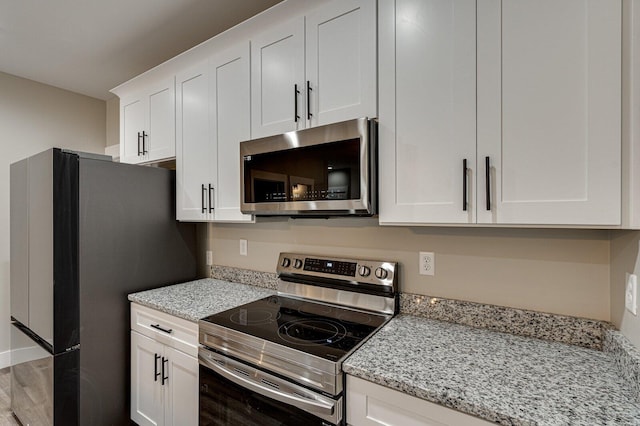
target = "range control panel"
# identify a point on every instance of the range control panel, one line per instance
(349, 270)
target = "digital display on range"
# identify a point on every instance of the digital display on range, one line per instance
(330, 266)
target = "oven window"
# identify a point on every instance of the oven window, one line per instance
(224, 403)
(329, 171)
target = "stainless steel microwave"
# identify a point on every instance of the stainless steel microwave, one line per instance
(322, 171)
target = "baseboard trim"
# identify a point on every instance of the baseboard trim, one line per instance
(19, 356)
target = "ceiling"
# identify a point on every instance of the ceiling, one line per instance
(91, 46)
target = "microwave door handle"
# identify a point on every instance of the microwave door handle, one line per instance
(319, 407)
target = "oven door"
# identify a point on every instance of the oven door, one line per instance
(234, 393)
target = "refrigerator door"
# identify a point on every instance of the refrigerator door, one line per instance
(129, 241)
(19, 240)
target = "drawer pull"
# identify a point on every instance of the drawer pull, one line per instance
(165, 330)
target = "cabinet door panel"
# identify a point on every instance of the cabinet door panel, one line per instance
(549, 103)
(160, 143)
(132, 119)
(277, 61)
(230, 117)
(195, 151)
(341, 61)
(181, 390)
(427, 110)
(146, 392)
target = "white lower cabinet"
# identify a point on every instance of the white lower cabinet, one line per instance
(164, 380)
(372, 404)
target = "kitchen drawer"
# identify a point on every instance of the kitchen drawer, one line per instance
(167, 329)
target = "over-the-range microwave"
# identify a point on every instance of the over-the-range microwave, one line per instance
(322, 171)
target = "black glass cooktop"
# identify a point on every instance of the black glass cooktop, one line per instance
(323, 330)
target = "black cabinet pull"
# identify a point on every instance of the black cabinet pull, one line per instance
(464, 185)
(309, 89)
(210, 199)
(164, 378)
(487, 167)
(296, 92)
(204, 209)
(144, 144)
(139, 137)
(165, 330)
(155, 367)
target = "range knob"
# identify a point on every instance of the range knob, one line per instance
(297, 264)
(364, 271)
(381, 273)
(285, 262)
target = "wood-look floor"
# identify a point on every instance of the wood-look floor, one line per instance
(6, 416)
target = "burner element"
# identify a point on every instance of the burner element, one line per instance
(314, 309)
(312, 331)
(254, 316)
(355, 317)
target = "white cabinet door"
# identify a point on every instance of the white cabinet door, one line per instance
(132, 123)
(277, 80)
(147, 123)
(161, 134)
(147, 405)
(195, 150)
(230, 112)
(181, 389)
(341, 62)
(369, 404)
(427, 111)
(549, 111)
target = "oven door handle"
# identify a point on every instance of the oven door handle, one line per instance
(312, 406)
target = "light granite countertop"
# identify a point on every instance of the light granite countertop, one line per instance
(503, 378)
(198, 299)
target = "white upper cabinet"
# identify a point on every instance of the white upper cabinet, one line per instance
(427, 123)
(230, 124)
(549, 111)
(341, 62)
(213, 111)
(546, 114)
(147, 124)
(315, 70)
(195, 151)
(277, 80)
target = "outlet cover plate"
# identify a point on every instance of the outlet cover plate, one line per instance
(243, 247)
(427, 263)
(631, 294)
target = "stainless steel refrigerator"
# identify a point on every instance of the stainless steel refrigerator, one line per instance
(85, 232)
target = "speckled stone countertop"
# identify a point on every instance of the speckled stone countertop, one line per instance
(503, 378)
(197, 299)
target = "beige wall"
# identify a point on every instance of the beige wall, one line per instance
(558, 271)
(625, 260)
(34, 117)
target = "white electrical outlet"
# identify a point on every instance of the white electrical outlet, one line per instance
(427, 263)
(209, 254)
(631, 294)
(243, 247)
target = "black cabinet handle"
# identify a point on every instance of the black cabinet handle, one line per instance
(210, 199)
(464, 185)
(164, 378)
(139, 137)
(144, 144)
(487, 167)
(309, 89)
(165, 330)
(155, 367)
(296, 92)
(204, 209)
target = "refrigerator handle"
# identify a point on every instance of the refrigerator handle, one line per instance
(155, 367)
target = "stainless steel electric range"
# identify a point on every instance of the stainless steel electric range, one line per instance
(278, 360)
